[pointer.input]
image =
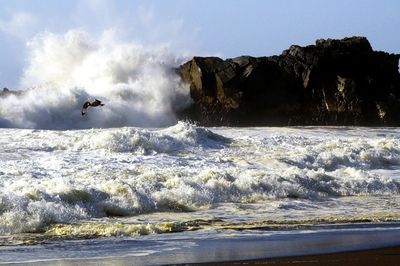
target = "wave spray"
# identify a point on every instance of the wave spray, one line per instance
(138, 85)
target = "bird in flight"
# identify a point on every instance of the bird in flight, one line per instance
(88, 104)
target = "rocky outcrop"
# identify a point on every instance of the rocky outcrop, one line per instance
(6, 92)
(334, 82)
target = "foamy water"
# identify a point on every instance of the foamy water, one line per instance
(131, 170)
(132, 181)
(137, 84)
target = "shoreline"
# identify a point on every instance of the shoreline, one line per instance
(369, 257)
(351, 246)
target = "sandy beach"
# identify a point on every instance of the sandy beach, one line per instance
(373, 257)
(379, 246)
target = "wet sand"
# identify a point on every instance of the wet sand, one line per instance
(353, 246)
(373, 257)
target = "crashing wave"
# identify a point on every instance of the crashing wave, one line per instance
(138, 85)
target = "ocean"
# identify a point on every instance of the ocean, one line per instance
(128, 183)
(151, 189)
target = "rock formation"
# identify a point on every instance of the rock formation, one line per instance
(334, 82)
(6, 92)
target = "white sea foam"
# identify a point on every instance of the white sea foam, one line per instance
(49, 177)
(138, 85)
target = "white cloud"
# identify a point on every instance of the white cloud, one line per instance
(21, 25)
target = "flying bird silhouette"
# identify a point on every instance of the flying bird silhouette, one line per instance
(88, 104)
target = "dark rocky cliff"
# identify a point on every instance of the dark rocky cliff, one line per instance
(334, 82)
(6, 92)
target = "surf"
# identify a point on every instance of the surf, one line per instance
(53, 177)
(63, 71)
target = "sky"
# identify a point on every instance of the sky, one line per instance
(225, 28)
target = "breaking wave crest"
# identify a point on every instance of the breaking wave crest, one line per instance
(178, 138)
(62, 177)
(138, 85)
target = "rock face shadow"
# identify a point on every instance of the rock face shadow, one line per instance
(334, 82)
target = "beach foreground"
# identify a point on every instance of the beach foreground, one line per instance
(188, 194)
(373, 257)
(349, 245)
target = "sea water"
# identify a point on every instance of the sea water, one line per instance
(185, 180)
(130, 179)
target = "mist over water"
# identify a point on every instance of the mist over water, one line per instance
(137, 84)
